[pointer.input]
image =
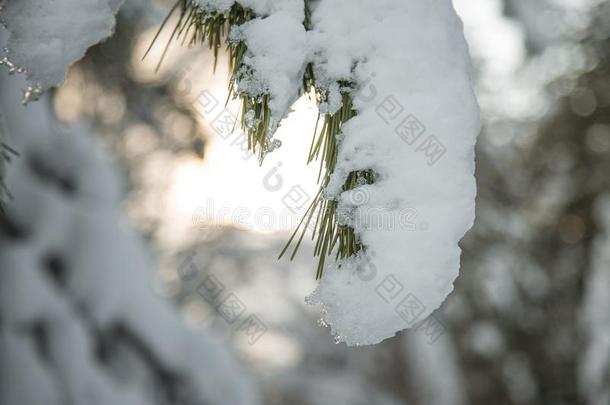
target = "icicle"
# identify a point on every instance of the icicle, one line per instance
(34, 90)
(5, 61)
(32, 93)
(338, 339)
(273, 145)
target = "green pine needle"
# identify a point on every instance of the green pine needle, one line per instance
(328, 234)
(199, 26)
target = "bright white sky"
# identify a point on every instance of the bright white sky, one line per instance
(226, 188)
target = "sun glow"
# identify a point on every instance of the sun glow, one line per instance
(229, 186)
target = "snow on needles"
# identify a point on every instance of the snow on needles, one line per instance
(277, 52)
(47, 36)
(416, 128)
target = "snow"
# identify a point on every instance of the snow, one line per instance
(261, 8)
(426, 77)
(75, 279)
(435, 373)
(47, 36)
(422, 204)
(278, 37)
(277, 51)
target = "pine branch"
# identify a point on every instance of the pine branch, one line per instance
(328, 233)
(197, 25)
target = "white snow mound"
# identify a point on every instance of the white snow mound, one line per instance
(47, 36)
(416, 127)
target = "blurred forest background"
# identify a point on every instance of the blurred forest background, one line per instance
(527, 323)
